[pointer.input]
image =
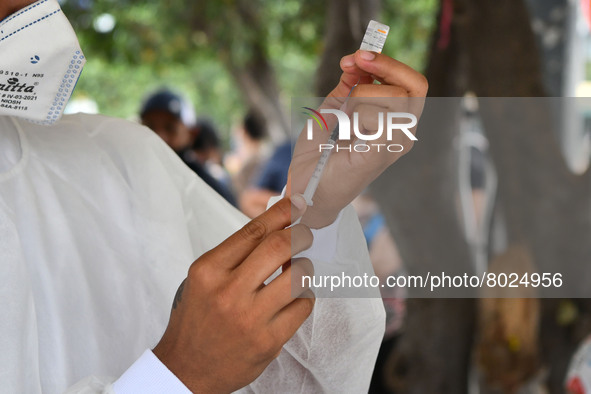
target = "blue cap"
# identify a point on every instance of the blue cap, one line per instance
(165, 100)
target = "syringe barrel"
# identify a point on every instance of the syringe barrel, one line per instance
(317, 174)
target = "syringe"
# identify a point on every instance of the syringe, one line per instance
(315, 178)
(373, 40)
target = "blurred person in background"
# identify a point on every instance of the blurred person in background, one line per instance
(248, 153)
(269, 182)
(171, 117)
(207, 149)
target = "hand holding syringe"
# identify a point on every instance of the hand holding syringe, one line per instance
(373, 40)
(370, 115)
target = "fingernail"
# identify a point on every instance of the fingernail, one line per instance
(366, 55)
(298, 201)
(348, 61)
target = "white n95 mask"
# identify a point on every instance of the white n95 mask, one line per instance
(40, 62)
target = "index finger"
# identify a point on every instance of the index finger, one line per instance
(386, 70)
(232, 252)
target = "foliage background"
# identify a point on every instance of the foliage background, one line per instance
(158, 43)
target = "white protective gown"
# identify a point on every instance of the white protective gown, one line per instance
(99, 222)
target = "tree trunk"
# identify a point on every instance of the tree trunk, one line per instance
(346, 21)
(490, 49)
(540, 196)
(241, 42)
(433, 354)
(258, 84)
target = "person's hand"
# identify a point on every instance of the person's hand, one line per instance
(226, 325)
(346, 174)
